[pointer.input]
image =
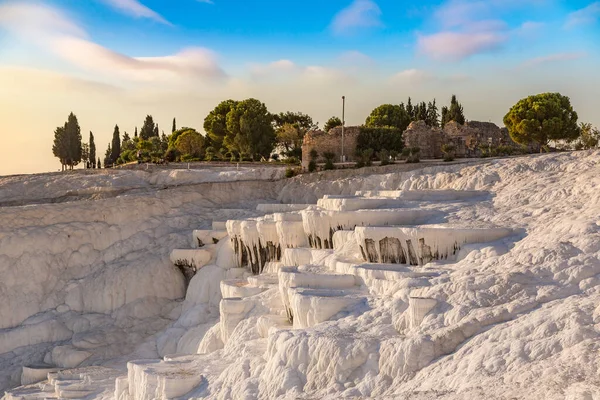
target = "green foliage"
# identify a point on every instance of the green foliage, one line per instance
(329, 160)
(413, 155)
(92, 155)
(209, 153)
(108, 162)
(379, 138)
(448, 149)
(99, 164)
(116, 145)
(290, 173)
(453, 113)
(172, 154)
(190, 144)
(215, 123)
(542, 118)
(314, 155)
(299, 120)
(127, 156)
(190, 158)
(332, 123)
(174, 128)
(290, 137)
(589, 137)
(85, 154)
(389, 115)
(249, 130)
(67, 145)
(384, 157)
(292, 160)
(148, 129)
(364, 158)
(312, 166)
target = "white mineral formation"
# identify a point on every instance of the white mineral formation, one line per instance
(499, 301)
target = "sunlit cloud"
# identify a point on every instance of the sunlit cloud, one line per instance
(359, 14)
(135, 9)
(455, 46)
(587, 15)
(553, 58)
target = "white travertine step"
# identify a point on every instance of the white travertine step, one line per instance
(391, 272)
(263, 280)
(202, 238)
(36, 373)
(320, 225)
(425, 195)
(156, 379)
(231, 312)
(219, 226)
(309, 307)
(266, 322)
(195, 258)
(353, 203)
(418, 308)
(239, 288)
(301, 256)
(278, 208)
(420, 245)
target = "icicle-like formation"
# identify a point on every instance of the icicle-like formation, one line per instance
(234, 230)
(421, 244)
(320, 225)
(290, 230)
(269, 239)
(418, 308)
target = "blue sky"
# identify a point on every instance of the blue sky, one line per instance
(113, 61)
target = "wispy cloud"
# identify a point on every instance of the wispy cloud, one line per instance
(359, 14)
(553, 58)
(136, 9)
(50, 29)
(587, 15)
(411, 76)
(286, 70)
(456, 46)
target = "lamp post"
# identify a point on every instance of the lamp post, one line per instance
(343, 125)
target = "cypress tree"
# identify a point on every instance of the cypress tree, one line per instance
(455, 112)
(107, 157)
(147, 130)
(174, 126)
(410, 109)
(99, 164)
(72, 144)
(92, 150)
(156, 131)
(135, 135)
(116, 145)
(59, 146)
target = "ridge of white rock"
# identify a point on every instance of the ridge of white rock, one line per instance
(499, 301)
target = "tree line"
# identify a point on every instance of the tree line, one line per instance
(247, 131)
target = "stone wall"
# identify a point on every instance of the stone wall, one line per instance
(428, 139)
(468, 138)
(330, 142)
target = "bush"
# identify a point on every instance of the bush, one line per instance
(312, 166)
(290, 173)
(292, 161)
(189, 158)
(364, 158)
(329, 165)
(448, 150)
(414, 155)
(379, 138)
(384, 157)
(314, 155)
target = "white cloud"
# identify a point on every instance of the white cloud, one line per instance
(135, 9)
(412, 76)
(587, 15)
(359, 14)
(553, 58)
(52, 30)
(455, 46)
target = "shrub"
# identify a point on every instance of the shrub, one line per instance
(384, 157)
(379, 138)
(172, 154)
(290, 173)
(312, 166)
(314, 155)
(292, 161)
(189, 158)
(414, 155)
(448, 150)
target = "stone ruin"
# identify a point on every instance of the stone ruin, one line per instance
(331, 141)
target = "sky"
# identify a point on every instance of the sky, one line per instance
(115, 61)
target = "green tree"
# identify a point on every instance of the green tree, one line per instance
(410, 110)
(174, 128)
(67, 143)
(127, 144)
(302, 121)
(290, 137)
(454, 112)
(444, 115)
(99, 165)
(388, 115)
(107, 157)
(147, 130)
(215, 123)
(433, 117)
(332, 123)
(156, 131)
(589, 137)
(250, 130)
(85, 155)
(190, 143)
(135, 134)
(115, 145)
(92, 150)
(542, 118)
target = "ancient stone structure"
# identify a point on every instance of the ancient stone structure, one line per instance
(469, 140)
(428, 139)
(331, 141)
